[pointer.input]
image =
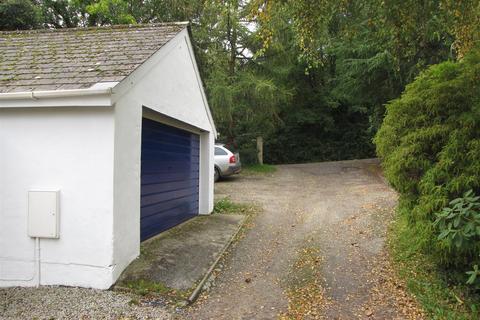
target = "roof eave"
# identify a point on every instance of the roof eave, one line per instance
(91, 97)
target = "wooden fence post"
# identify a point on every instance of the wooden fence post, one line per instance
(260, 150)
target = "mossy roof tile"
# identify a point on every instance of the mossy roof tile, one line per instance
(77, 58)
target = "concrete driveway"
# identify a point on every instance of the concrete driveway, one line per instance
(315, 251)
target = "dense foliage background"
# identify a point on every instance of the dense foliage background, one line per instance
(310, 77)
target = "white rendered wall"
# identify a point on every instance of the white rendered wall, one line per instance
(69, 149)
(207, 145)
(126, 221)
(168, 86)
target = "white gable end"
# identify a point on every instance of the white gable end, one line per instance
(169, 83)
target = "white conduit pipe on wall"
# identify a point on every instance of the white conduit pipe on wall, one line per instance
(37, 268)
(37, 244)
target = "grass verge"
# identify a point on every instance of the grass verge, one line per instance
(148, 289)
(259, 169)
(227, 206)
(429, 284)
(144, 287)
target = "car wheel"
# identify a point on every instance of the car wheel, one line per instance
(216, 176)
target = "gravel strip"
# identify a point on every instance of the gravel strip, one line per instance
(76, 303)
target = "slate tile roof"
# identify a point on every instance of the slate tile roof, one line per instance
(77, 58)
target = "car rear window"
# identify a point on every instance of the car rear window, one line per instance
(220, 152)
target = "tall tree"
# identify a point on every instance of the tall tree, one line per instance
(18, 15)
(245, 99)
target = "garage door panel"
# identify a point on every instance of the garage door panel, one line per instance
(167, 139)
(155, 188)
(167, 221)
(169, 179)
(185, 153)
(171, 151)
(167, 135)
(172, 156)
(168, 217)
(164, 206)
(169, 166)
(165, 196)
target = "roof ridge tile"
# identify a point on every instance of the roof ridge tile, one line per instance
(97, 28)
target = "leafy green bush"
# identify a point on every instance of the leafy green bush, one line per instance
(474, 277)
(459, 226)
(430, 146)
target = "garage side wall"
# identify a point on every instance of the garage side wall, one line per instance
(128, 136)
(167, 84)
(65, 149)
(207, 142)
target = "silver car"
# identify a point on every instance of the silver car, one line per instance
(226, 162)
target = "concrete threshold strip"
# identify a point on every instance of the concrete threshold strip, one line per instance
(184, 257)
(196, 292)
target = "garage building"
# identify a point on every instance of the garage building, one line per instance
(106, 140)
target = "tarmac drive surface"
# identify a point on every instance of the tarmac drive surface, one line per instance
(332, 216)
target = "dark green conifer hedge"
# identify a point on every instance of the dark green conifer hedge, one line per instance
(430, 147)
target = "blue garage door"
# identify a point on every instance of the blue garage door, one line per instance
(170, 161)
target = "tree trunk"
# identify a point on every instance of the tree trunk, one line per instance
(233, 50)
(260, 150)
(232, 36)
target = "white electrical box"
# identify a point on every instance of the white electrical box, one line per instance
(43, 214)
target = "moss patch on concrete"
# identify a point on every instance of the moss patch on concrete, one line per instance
(149, 288)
